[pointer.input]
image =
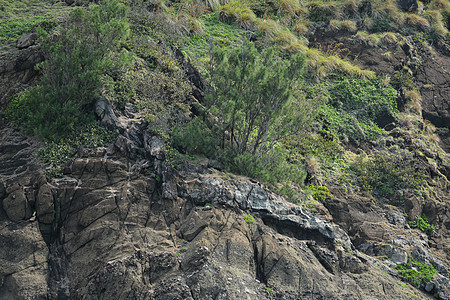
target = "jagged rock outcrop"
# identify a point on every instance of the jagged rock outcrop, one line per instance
(17, 70)
(125, 226)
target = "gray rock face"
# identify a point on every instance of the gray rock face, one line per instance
(45, 205)
(122, 228)
(16, 70)
(104, 111)
(23, 261)
(26, 40)
(245, 195)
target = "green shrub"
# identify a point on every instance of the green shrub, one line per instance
(56, 153)
(303, 147)
(422, 224)
(383, 173)
(319, 192)
(365, 99)
(355, 106)
(162, 97)
(249, 219)
(270, 168)
(195, 138)
(249, 107)
(416, 272)
(78, 58)
(247, 94)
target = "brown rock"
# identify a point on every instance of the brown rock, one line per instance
(45, 205)
(23, 262)
(413, 208)
(16, 206)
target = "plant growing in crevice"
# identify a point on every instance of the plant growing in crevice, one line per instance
(416, 272)
(249, 219)
(422, 224)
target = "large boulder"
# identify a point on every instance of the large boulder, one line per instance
(26, 40)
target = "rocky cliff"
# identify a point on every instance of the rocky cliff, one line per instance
(121, 224)
(124, 222)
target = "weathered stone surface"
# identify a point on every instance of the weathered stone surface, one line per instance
(44, 204)
(121, 225)
(212, 188)
(23, 261)
(105, 112)
(26, 40)
(16, 205)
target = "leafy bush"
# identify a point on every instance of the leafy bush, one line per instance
(56, 153)
(319, 192)
(162, 96)
(248, 92)
(77, 60)
(195, 137)
(416, 272)
(249, 219)
(422, 224)
(313, 145)
(271, 167)
(355, 106)
(383, 173)
(249, 108)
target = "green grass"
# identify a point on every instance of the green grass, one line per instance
(354, 107)
(249, 219)
(19, 17)
(216, 33)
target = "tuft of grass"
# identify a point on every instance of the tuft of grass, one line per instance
(372, 40)
(290, 7)
(302, 26)
(347, 25)
(417, 21)
(439, 4)
(321, 66)
(239, 12)
(320, 11)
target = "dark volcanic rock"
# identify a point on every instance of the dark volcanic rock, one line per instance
(408, 5)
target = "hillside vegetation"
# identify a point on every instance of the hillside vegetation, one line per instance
(268, 99)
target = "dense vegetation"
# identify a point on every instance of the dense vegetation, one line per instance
(306, 121)
(273, 108)
(79, 60)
